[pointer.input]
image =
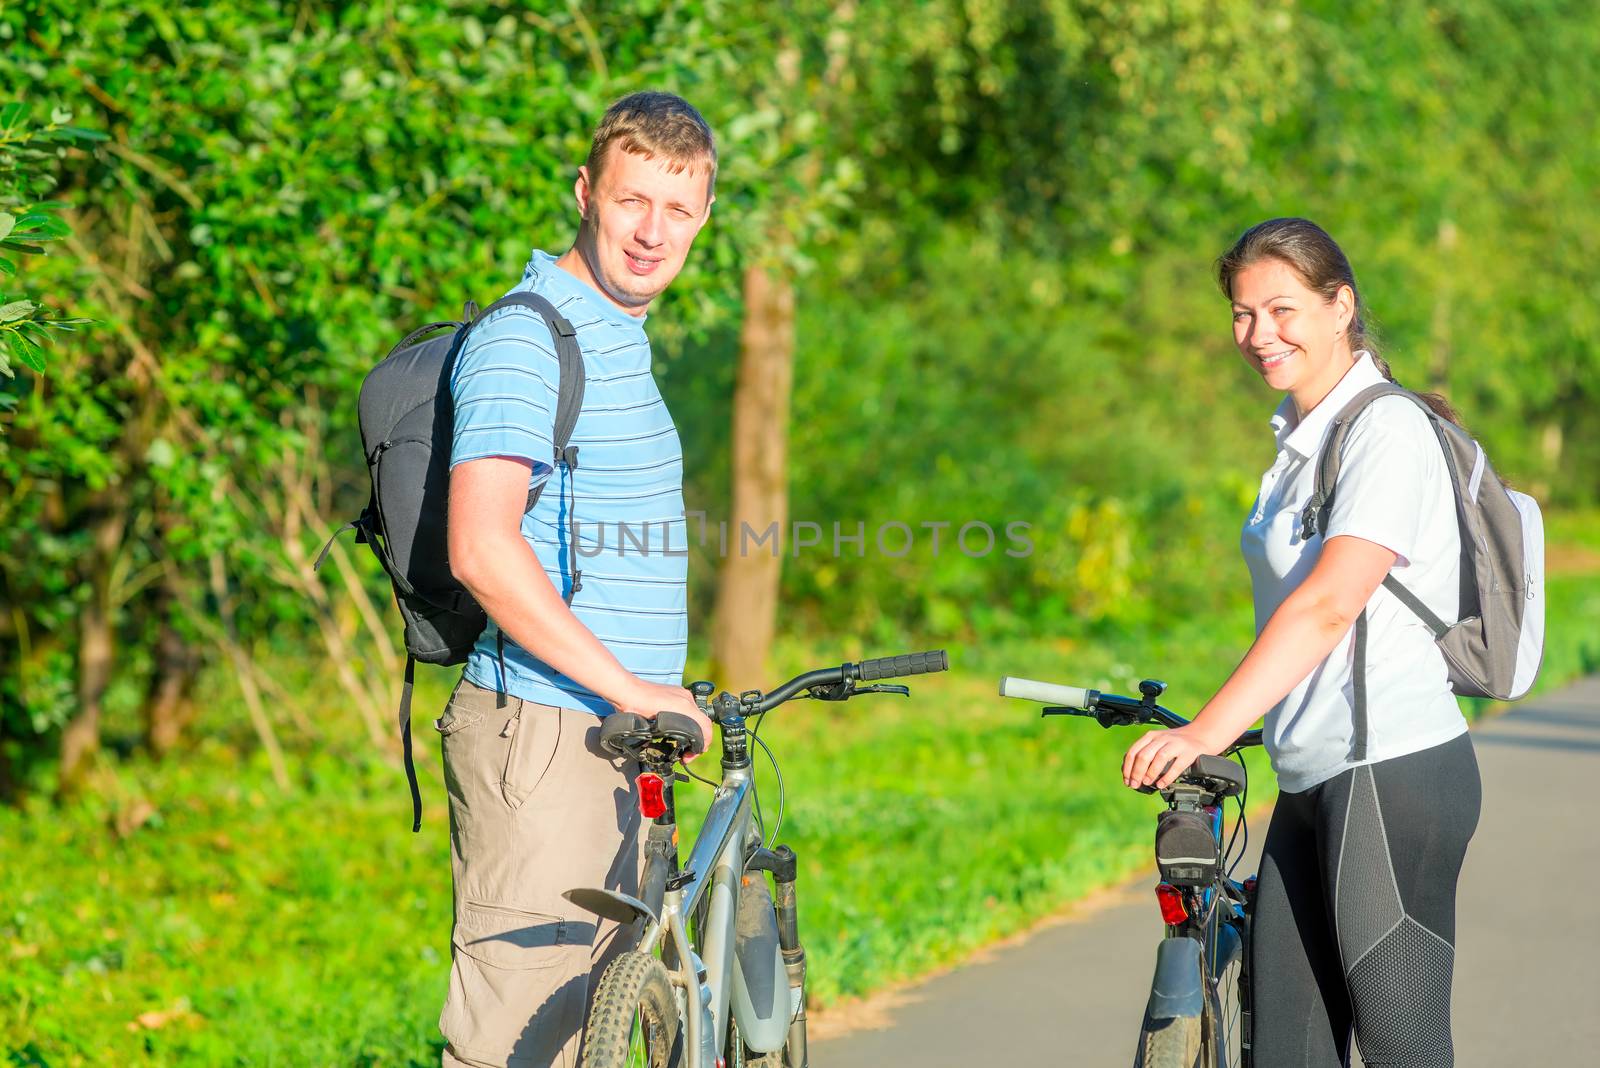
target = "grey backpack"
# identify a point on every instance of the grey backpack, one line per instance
(407, 423)
(1496, 647)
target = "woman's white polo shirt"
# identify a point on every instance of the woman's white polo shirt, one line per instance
(1394, 490)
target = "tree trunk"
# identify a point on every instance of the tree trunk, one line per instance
(1551, 443)
(747, 592)
(80, 740)
(167, 708)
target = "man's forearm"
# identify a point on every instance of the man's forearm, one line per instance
(505, 577)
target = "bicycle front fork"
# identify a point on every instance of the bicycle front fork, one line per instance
(781, 863)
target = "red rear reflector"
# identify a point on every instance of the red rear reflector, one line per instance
(1171, 900)
(652, 795)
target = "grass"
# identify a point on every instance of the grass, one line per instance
(195, 914)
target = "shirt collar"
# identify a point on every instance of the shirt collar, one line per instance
(1304, 435)
(542, 265)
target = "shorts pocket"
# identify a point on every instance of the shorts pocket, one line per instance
(511, 938)
(464, 708)
(535, 731)
(512, 999)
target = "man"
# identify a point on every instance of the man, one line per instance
(536, 807)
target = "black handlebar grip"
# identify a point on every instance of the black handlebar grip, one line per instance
(894, 667)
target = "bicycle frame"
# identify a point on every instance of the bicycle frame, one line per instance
(702, 968)
(1217, 918)
(714, 873)
(744, 963)
(1207, 915)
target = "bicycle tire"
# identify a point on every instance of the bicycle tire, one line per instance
(634, 1021)
(1170, 1043)
(738, 1055)
(1209, 1040)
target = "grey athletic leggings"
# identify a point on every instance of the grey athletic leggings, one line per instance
(1355, 917)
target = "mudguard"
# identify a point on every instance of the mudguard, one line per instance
(610, 904)
(760, 997)
(1177, 989)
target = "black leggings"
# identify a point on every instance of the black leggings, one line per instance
(1355, 917)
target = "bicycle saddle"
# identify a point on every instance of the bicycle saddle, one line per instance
(626, 733)
(1216, 775)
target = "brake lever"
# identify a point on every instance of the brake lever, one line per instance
(843, 691)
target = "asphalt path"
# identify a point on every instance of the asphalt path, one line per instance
(1528, 936)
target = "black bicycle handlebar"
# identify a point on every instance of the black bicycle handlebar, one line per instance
(886, 667)
(626, 733)
(1108, 708)
(895, 667)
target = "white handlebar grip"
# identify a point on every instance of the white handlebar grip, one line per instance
(1047, 693)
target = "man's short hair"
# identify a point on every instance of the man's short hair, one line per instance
(652, 124)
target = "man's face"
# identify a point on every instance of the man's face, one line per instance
(639, 220)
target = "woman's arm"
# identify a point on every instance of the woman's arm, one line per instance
(1307, 626)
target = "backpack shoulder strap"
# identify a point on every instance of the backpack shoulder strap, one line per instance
(1314, 519)
(569, 393)
(569, 402)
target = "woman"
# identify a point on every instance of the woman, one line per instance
(1355, 909)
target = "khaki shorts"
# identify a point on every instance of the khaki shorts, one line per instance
(536, 808)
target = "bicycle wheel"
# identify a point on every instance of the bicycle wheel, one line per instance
(1221, 1031)
(1176, 1041)
(1171, 1043)
(738, 1055)
(634, 1022)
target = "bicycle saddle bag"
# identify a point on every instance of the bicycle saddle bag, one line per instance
(1187, 853)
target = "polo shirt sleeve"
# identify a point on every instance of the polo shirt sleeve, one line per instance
(1391, 459)
(504, 388)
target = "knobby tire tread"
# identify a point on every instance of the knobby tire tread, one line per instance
(1173, 1043)
(633, 982)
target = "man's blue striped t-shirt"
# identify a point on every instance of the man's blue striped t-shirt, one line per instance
(632, 545)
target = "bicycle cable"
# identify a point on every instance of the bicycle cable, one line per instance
(1241, 825)
(689, 770)
(755, 735)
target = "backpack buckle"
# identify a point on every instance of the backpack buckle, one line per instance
(1311, 517)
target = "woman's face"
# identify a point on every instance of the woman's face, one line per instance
(1295, 339)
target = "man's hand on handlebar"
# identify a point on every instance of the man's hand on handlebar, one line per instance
(648, 699)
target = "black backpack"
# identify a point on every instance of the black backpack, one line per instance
(407, 423)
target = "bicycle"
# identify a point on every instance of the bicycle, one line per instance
(731, 989)
(1198, 1013)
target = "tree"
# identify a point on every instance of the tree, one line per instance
(272, 208)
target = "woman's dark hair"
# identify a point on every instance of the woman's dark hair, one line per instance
(1321, 264)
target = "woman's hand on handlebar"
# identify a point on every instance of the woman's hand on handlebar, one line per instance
(1159, 757)
(650, 698)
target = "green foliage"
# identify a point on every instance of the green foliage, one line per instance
(29, 153)
(1005, 213)
(284, 192)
